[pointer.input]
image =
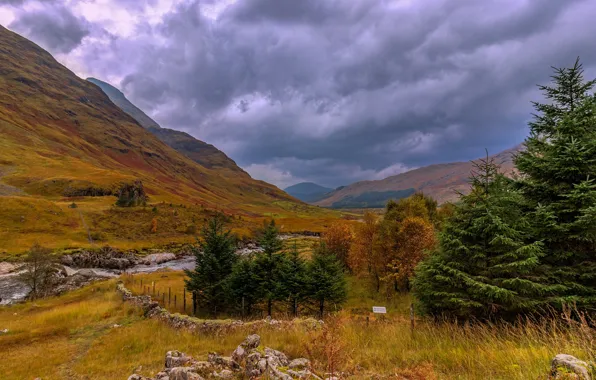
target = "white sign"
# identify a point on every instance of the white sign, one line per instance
(379, 310)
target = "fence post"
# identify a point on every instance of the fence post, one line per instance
(153, 287)
(163, 299)
(412, 320)
(174, 301)
(169, 295)
(194, 303)
(184, 300)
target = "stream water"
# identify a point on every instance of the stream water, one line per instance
(12, 290)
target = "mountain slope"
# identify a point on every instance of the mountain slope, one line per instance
(61, 137)
(440, 181)
(205, 154)
(308, 191)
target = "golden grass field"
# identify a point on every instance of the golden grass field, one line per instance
(72, 337)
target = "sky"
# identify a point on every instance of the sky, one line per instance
(332, 91)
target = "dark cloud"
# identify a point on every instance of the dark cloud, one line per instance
(53, 26)
(342, 90)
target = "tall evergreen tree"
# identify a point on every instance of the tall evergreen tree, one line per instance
(558, 169)
(243, 286)
(487, 264)
(293, 279)
(268, 265)
(326, 279)
(215, 258)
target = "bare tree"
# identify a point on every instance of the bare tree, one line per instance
(39, 271)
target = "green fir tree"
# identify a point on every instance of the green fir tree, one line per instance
(215, 258)
(293, 279)
(558, 172)
(243, 286)
(487, 264)
(326, 279)
(268, 265)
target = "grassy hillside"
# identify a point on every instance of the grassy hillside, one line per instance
(204, 154)
(76, 337)
(62, 139)
(441, 181)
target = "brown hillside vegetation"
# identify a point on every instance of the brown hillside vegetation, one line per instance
(204, 154)
(441, 181)
(63, 140)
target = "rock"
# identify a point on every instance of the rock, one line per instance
(305, 374)
(277, 357)
(162, 376)
(183, 373)
(299, 364)
(224, 361)
(564, 365)
(255, 365)
(6, 267)
(224, 374)
(249, 344)
(137, 377)
(5, 331)
(157, 258)
(176, 359)
(115, 326)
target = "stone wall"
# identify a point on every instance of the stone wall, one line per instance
(152, 309)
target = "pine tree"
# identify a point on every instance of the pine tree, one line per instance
(215, 258)
(243, 286)
(268, 265)
(293, 279)
(558, 169)
(487, 264)
(326, 279)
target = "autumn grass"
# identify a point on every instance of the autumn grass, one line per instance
(72, 336)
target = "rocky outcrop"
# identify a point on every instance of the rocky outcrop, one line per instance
(106, 257)
(157, 258)
(569, 367)
(69, 279)
(249, 360)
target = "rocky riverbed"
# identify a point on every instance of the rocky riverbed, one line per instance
(83, 267)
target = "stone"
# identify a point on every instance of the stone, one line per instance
(249, 344)
(304, 374)
(176, 359)
(6, 267)
(564, 365)
(299, 364)
(5, 331)
(277, 357)
(183, 373)
(162, 376)
(137, 377)
(253, 367)
(224, 374)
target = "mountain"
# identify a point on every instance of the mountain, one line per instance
(205, 154)
(440, 181)
(308, 191)
(66, 149)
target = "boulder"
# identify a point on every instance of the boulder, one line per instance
(299, 364)
(183, 373)
(563, 366)
(249, 344)
(176, 359)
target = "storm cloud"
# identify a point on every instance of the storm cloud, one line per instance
(331, 91)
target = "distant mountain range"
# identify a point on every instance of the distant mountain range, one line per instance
(443, 182)
(308, 191)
